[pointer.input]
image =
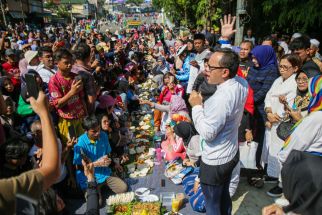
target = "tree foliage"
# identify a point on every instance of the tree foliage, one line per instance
(62, 11)
(267, 16)
(190, 12)
(293, 15)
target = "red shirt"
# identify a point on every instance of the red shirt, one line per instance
(58, 87)
(13, 72)
(166, 94)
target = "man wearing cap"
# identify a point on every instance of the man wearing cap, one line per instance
(295, 35)
(32, 60)
(11, 67)
(314, 52)
(197, 64)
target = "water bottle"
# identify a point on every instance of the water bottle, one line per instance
(158, 156)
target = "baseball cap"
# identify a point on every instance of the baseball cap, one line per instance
(181, 49)
(315, 42)
(29, 55)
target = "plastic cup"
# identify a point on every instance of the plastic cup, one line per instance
(175, 205)
(180, 197)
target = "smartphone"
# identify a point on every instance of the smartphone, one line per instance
(84, 157)
(162, 183)
(32, 85)
(78, 78)
(26, 205)
(71, 131)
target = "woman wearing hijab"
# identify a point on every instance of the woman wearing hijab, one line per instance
(260, 78)
(284, 86)
(176, 111)
(173, 145)
(301, 157)
(162, 66)
(302, 99)
(191, 141)
(170, 87)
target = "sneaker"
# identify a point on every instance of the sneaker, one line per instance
(275, 192)
(270, 180)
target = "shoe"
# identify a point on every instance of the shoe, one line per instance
(275, 192)
(270, 180)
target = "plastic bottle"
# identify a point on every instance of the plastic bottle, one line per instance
(158, 156)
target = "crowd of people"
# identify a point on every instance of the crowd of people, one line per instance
(209, 97)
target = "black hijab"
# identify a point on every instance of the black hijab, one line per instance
(302, 183)
(185, 130)
(309, 75)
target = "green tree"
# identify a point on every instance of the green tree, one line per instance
(190, 12)
(294, 15)
(285, 16)
(62, 11)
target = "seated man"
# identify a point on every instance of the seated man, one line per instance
(95, 145)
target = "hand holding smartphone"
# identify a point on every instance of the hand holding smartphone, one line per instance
(32, 85)
(71, 131)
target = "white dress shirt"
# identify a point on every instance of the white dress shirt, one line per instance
(218, 121)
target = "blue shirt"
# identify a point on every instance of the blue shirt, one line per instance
(184, 73)
(94, 151)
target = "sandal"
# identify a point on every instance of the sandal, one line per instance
(256, 182)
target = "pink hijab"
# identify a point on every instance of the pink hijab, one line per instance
(177, 104)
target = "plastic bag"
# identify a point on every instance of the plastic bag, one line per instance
(247, 152)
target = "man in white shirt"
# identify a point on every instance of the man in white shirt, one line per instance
(47, 68)
(197, 65)
(217, 122)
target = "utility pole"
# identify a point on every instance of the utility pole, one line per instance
(3, 14)
(241, 10)
(71, 12)
(22, 14)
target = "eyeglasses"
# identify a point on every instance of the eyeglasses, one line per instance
(285, 67)
(212, 68)
(303, 80)
(48, 56)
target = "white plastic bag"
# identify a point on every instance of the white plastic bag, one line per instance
(247, 152)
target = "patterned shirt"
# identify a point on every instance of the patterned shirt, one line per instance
(59, 86)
